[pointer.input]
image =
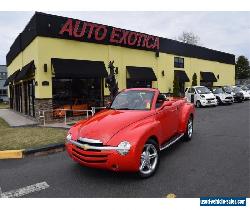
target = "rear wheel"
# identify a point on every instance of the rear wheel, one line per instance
(149, 159)
(189, 129)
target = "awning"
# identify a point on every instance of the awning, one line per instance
(71, 69)
(181, 75)
(11, 78)
(26, 71)
(141, 73)
(208, 77)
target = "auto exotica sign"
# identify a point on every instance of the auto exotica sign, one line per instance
(80, 29)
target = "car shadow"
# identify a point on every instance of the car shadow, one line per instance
(168, 151)
(101, 173)
(93, 173)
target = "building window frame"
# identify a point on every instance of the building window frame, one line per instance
(178, 62)
(3, 75)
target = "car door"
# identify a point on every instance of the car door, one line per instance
(168, 120)
(196, 96)
(187, 94)
(191, 92)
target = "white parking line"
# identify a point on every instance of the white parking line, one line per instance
(24, 191)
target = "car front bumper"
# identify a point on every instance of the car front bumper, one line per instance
(106, 157)
(227, 101)
(209, 102)
(238, 98)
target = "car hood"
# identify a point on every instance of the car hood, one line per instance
(209, 95)
(224, 95)
(105, 124)
(245, 93)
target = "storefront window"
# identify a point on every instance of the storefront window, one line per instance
(139, 84)
(206, 84)
(76, 94)
(18, 97)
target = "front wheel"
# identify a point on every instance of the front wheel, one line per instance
(149, 159)
(189, 129)
(198, 104)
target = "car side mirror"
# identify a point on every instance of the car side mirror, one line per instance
(166, 103)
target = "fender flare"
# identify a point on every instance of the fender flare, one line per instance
(184, 115)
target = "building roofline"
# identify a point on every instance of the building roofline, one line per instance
(167, 45)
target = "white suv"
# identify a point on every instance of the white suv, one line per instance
(200, 96)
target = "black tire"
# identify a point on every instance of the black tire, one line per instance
(189, 133)
(198, 104)
(219, 101)
(149, 173)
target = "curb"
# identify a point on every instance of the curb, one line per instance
(11, 154)
(39, 151)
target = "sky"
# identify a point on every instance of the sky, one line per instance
(224, 31)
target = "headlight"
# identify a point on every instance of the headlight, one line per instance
(124, 147)
(202, 96)
(69, 137)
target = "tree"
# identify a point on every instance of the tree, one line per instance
(242, 68)
(189, 38)
(194, 80)
(111, 82)
(176, 87)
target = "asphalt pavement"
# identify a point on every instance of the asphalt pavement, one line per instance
(215, 163)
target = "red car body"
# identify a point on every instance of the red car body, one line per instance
(110, 127)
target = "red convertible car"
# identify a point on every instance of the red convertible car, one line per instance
(131, 132)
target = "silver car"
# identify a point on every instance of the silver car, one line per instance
(222, 96)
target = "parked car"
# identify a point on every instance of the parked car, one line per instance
(200, 96)
(238, 96)
(222, 96)
(245, 93)
(244, 87)
(131, 132)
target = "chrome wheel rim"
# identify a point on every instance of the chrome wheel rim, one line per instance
(149, 159)
(190, 128)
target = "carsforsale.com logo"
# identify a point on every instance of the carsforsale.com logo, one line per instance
(222, 201)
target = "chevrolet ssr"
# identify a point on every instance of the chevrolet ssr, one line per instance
(130, 133)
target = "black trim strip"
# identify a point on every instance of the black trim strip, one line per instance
(46, 25)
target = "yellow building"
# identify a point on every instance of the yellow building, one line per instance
(59, 62)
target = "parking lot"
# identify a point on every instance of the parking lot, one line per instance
(214, 163)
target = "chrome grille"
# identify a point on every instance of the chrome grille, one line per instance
(86, 157)
(91, 142)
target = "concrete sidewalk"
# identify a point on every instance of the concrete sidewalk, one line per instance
(56, 125)
(15, 119)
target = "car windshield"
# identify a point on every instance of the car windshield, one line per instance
(203, 90)
(218, 90)
(228, 89)
(237, 89)
(133, 100)
(244, 88)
